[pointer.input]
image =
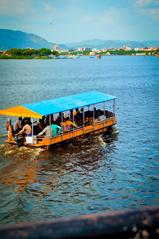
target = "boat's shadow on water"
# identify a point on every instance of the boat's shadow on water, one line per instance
(24, 167)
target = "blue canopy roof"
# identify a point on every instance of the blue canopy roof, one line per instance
(47, 107)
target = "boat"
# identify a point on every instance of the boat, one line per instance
(72, 56)
(61, 57)
(90, 107)
(98, 56)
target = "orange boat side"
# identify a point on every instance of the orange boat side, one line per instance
(76, 133)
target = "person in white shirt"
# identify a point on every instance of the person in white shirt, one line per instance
(102, 117)
(47, 131)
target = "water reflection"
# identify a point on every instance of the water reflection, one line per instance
(18, 166)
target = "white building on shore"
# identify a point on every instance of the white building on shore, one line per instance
(56, 47)
(126, 48)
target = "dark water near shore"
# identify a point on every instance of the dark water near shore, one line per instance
(95, 175)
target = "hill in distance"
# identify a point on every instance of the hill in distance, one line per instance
(18, 39)
(99, 44)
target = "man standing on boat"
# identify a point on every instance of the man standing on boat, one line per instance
(17, 125)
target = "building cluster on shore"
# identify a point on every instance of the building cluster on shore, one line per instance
(124, 50)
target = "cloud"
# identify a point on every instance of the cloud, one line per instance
(107, 17)
(151, 12)
(149, 8)
(28, 9)
(48, 8)
(142, 3)
(15, 7)
(27, 13)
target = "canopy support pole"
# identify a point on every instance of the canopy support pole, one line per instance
(62, 121)
(88, 116)
(32, 127)
(104, 108)
(93, 114)
(104, 112)
(62, 126)
(83, 118)
(114, 106)
(73, 118)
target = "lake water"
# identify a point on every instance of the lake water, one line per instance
(94, 175)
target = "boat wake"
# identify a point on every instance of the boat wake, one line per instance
(101, 141)
(12, 152)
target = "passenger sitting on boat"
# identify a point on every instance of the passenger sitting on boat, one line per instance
(17, 125)
(71, 115)
(26, 130)
(47, 131)
(8, 123)
(64, 126)
(68, 124)
(9, 128)
(79, 118)
(43, 122)
(88, 114)
(71, 124)
(58, 120)
(75, 112)
(102, 116)
(38, 127)
(24, 120)
(94, 112)
(56, 129)
(40, 124)
(88, 121)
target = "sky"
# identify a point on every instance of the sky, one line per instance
(64, 21)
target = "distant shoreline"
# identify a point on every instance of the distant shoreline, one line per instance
(23, 58)
(48, 58)
(45, 53)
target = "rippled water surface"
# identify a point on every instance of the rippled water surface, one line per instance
(93, 175)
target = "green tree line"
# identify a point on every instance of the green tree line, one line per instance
(31, 52)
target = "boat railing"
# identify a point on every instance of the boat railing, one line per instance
(134, 223)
